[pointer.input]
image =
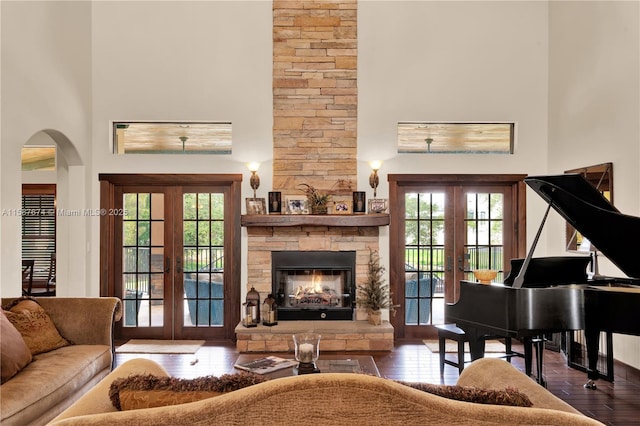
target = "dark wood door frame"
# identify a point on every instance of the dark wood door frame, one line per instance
(232, 229)
(399, 183)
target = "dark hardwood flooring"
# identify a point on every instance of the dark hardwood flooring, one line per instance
(616, 403)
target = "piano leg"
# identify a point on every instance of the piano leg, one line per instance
(528, 354)
(592, 339)
(539, 343)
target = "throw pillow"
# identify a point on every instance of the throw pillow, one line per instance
(14, 352)
(147, 391)
(507, 396)
(38, 331)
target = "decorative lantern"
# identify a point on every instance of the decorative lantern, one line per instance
(253, 297)
(249, 313)
(269, 311)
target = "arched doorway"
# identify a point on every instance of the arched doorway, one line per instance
(61, 179)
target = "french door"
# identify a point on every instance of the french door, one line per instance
(170, 253)
(442, 228)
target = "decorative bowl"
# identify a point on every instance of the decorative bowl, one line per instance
(485, 275)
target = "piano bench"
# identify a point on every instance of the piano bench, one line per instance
(451, 332)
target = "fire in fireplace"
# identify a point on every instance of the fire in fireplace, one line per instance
(314, 285)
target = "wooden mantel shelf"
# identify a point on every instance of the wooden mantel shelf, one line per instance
(374, 219)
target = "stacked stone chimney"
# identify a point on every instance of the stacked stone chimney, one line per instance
(315, 94)
(315, 99)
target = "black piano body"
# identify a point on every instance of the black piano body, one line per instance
(525, 313)
(547, 300)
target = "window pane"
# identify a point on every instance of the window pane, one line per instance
(424, 254)
(40, 158)
(475, 138)
(484, 232)
(172, 138)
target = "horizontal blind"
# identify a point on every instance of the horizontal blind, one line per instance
(39, 231)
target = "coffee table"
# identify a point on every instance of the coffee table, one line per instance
(327, 363)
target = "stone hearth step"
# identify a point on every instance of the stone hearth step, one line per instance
(336, 336)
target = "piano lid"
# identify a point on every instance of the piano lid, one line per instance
(614, 234)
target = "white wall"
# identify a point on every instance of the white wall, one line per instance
(173, 61)
(594, 110)
(75, 66)
(46, 85)
(452, 61)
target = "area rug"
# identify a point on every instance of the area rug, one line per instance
(138, 346)
(452, 347)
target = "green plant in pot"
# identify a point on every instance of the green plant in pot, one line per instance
(317, 200)
(373, 294)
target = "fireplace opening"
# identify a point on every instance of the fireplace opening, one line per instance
(314, 285)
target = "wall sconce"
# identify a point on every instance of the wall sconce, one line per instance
(254, 181)
(373, 178)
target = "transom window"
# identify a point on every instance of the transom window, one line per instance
(171, 138)
(455, 138)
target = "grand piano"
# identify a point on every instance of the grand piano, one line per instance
(554, 294)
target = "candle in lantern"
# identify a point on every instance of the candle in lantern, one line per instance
(305, 352)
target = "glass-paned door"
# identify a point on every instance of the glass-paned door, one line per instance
(143, 254)
(484, 233)
(424, 268)
(442, 232)
(172, 270)
(203, 254)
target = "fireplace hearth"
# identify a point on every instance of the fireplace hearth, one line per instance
(314, 285)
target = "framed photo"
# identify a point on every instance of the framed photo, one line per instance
(342, 205)
(256, 206)
(378, 205)
(296, 205)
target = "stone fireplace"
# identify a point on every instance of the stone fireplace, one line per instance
(310, 234)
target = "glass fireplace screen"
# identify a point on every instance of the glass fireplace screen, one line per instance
(314, 285)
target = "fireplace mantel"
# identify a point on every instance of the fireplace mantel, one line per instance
(373, 219)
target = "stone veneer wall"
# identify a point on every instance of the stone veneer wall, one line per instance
(314, 127)
(315, 94)
(263, 240)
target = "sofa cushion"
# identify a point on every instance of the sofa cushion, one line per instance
(147, 391)
(47, 384)
(507, 396)
(14, 352)
(38, 331)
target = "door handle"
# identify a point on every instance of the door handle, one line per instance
(179, 264)
(462, 260)
(167, 264)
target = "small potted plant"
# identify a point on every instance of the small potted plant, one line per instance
(317, 200)
(374, 294)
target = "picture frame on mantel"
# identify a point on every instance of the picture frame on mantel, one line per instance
(342, 205)
(256, 206)
(297, 205)
(378, 205)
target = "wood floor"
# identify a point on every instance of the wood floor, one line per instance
(616, 403)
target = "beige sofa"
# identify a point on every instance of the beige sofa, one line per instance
(55, 379)
(333, 399)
